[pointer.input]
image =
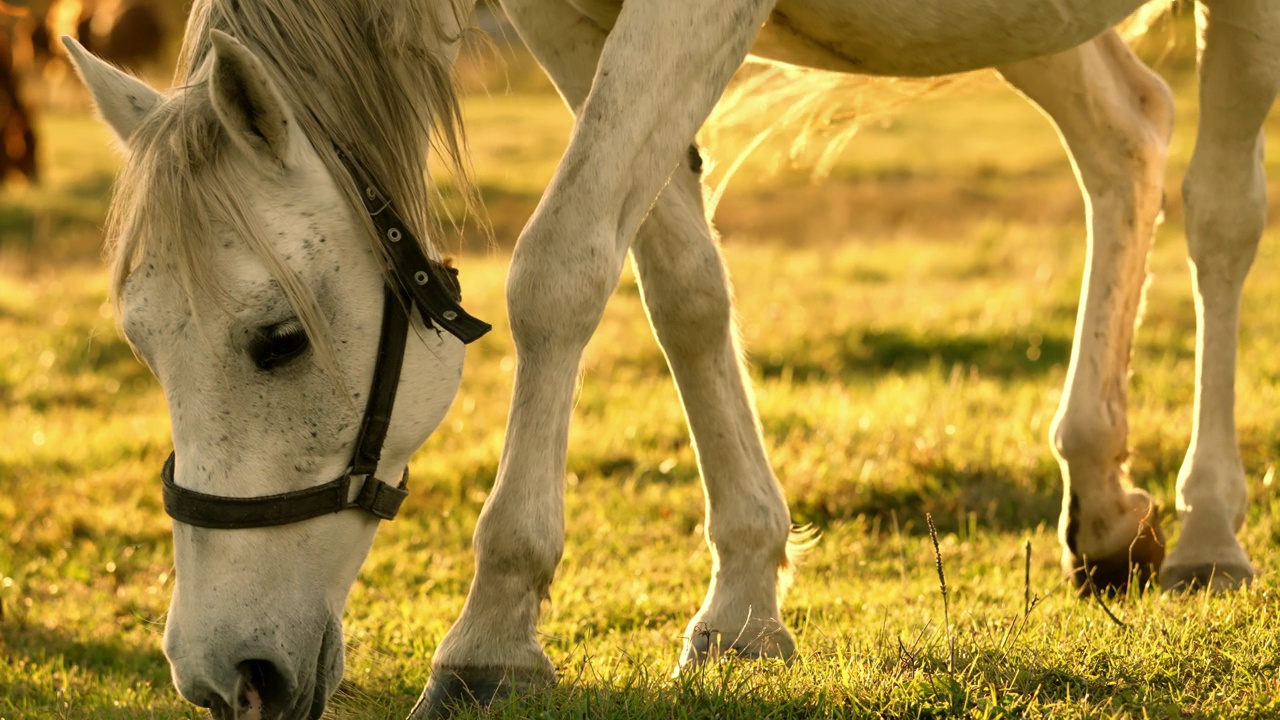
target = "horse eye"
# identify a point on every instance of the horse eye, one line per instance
(278, 344)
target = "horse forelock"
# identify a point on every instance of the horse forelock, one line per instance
(371, 77)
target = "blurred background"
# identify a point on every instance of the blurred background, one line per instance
(867, 159)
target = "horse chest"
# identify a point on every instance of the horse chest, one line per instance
(929, 37)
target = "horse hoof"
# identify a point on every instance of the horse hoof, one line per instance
(1114, 575)
(705, 646)
(1213, 577)
(448, 688)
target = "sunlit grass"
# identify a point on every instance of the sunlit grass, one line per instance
(918, 394)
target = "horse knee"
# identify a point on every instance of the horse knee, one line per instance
(556, 293)
(1225, 196)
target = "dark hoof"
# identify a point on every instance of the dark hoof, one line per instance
(450, 688)
(1216, 577)
(1113, 576)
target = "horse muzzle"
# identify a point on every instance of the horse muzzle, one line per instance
(261, 687)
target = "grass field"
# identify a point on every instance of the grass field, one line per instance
(909, 325)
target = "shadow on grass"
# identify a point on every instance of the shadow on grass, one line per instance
(17, 227)
(1005, 684)
(99, 656)
(996, 498)
(93, 187)
(873, 352)
(52, 674)
(49, 646)
(70, 217)
(638, 694)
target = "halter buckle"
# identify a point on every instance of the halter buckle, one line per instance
(379, 498)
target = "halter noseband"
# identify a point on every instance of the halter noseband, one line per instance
(432, 288)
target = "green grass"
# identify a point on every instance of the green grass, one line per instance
(916, 373)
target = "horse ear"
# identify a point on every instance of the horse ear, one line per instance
(246, 100)
(122, 99)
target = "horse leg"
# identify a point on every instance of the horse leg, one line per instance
(1225, 195)
(687, 297)
(1114, 116)
(660, 70)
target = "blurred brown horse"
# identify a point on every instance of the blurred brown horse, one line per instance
(125, 32)
(17, 137)
(131, 33)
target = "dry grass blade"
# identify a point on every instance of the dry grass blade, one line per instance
(1026, 583)
(1097, 594)
(942, 584)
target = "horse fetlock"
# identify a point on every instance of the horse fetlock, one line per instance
(453, 687)
(1110, 545)
(508, 557)
(1091, 444)
(1213, 496)
(1099, 525)
(750, 528)
(498, 624)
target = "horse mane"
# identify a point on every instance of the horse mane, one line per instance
(369, 76)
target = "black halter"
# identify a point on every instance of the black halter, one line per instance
(432, 288)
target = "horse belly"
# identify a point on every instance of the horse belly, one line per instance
(929, 37)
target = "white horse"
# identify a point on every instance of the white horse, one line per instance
(248, 277)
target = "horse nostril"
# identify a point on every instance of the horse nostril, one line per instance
(263, 688)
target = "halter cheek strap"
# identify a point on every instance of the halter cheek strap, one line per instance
(375, 496)
(429, 286)
(432, 286)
